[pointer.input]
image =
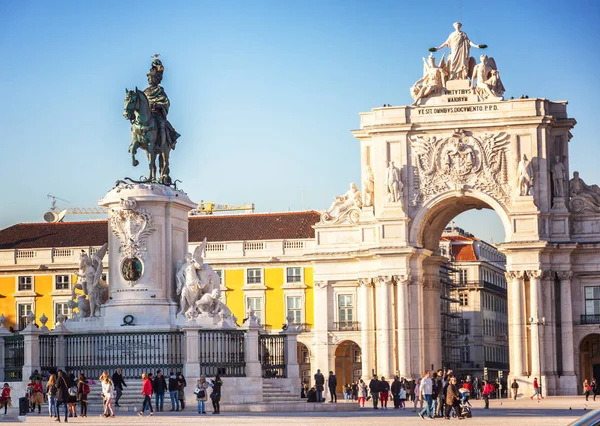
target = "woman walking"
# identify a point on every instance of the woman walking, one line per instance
(62, 395)
(586, 389)
(201, 392)
(215, 396)
(51, 392)
(363, 391)
(82, 394)
(147, 392)
(72, 403)
(108, 392)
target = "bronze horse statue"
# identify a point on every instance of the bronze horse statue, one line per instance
(144, 134)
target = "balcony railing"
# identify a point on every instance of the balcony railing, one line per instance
(347, 326)
(590, 319)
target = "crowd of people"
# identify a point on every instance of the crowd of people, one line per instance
(62, 389)
(436, 394)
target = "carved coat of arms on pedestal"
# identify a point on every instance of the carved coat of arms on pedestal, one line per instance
(461, 160)
(132, 225)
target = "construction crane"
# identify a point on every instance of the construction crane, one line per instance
(54, 215)
(207, 207)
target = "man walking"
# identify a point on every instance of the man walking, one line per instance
(426, 390)
(320, 384)
(332, 385)
(118, 383)
(515, 388)
(374, 388)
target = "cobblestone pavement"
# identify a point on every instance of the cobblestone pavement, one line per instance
(548, 412)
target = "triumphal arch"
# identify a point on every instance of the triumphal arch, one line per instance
(461, 145)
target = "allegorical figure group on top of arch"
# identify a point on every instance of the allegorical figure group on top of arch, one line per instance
(484, 78)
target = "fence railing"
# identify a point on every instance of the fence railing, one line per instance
(47, 353)
(134, 353)
(590, 319)
(271, 355)
(14, 358)
(222, 352)
(347, 326)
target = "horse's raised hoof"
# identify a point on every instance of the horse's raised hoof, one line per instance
(135, 163)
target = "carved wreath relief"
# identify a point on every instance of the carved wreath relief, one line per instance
(132, 225)
(460, 161)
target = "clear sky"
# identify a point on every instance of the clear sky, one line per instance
(264, 93)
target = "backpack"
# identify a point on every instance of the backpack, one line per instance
(200, 393)
(73, 391)
(85, 388)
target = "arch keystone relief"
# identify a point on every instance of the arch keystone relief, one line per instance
(460, 160)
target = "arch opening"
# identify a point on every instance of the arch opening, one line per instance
(347, 364)
(589, 357)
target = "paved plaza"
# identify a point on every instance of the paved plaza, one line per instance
(550, 411)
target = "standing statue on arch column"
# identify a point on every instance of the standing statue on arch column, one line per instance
(459, 64)
(559, 176)
(524, 176)
(393, 183)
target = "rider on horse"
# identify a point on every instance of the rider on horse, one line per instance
(159, 104)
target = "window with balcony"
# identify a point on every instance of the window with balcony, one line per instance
(465, 354)
(25, 283)
(293, 275)
(345, 312)
(294, 307)
(254, 276)
(62, 282)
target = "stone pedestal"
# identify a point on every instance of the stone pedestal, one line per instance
(148, 235)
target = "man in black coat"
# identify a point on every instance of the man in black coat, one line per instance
(396, 385)
(332, 385)
(159, 386)
(118, 383)
(374, 388)
(319, 384)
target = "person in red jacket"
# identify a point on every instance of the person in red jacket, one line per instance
(487, 390)
(36, 396)
(5, 398)
(147, 392)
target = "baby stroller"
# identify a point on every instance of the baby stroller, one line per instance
(465, 405)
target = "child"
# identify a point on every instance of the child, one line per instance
(5, 398)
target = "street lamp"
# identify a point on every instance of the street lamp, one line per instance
(537, 323)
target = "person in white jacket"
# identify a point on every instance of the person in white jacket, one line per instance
(108, 393)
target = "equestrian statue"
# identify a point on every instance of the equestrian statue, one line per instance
(150, 130)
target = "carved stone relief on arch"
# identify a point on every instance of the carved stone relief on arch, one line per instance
(460, 160)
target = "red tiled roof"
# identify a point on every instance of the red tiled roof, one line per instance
(458, 238)
(267, 226)
(463, 252)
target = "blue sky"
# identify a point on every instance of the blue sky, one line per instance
(264, 93)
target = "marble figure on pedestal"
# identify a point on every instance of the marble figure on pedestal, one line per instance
(344, 208)
(459, 63)
(91, 283)
(524, 176)
(196, 279)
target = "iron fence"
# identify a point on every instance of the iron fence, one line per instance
(47, 353)
(14, 358)
(271, 355)
(347, 326)
(134, 353)
(222, 352)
